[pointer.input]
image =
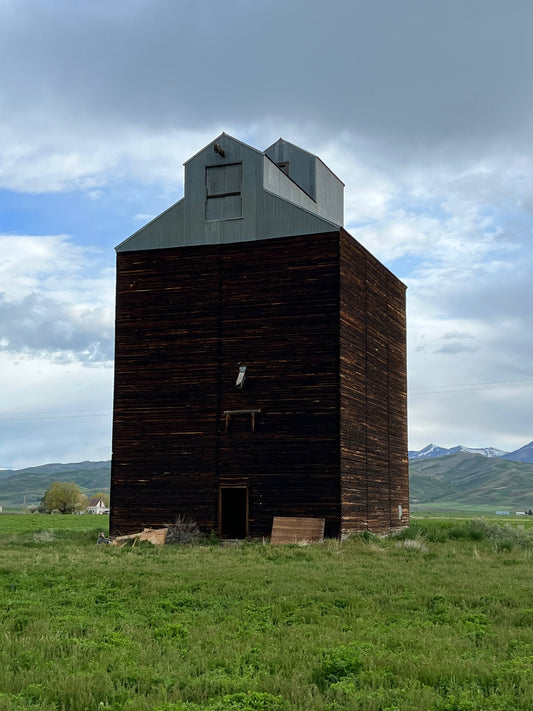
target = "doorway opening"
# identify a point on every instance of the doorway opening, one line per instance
(233, 512)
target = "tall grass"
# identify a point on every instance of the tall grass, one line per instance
(442, 624)
(501, 536)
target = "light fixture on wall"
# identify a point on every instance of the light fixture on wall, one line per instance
(241, 377)
(218, 149)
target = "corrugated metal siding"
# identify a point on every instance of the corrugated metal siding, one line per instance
(275, 181)
(315, 178)
(302, 165)
(160, 232)
(223, 179)
(329, 194)
(267, 217)
(227, 207)
(280, 218)
(279, 211)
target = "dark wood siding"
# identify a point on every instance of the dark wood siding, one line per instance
(373, 432)
(186, 319)
(399, 464)
(320, 326)
(165, 420)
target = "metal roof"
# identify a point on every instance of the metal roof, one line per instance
(236, 193)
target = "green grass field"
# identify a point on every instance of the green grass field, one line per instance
(437, 619)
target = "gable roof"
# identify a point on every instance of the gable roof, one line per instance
(265, 203)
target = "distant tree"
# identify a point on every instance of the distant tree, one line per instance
(104, 496)
(63, 496)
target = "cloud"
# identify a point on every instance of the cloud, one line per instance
(87, 157)
(456, 347)
(45, 327)
(458, 335)
(57, 301)
(422, 109)
(53, 411)
(56, 349)
(415, 80)
(414, 72)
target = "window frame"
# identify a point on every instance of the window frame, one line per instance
(219, 195)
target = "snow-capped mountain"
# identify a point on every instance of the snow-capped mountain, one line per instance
(485, 451)
(432, 450)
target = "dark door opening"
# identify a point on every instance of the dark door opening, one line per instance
(233, 512)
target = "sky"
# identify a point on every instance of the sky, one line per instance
(423, 109)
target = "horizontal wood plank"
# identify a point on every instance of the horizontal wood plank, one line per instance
(320, 326)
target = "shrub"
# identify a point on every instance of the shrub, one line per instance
(367, 536)
(339, 663)
(184, 530)
(413, 544)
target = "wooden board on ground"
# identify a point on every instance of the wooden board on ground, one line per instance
(286, 529)
(156, 536)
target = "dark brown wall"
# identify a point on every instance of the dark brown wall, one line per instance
(374, 469)
(320, 325)
(186, 318)
(165, 402)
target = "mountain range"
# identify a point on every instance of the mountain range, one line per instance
(462, 479)
(458, 476)
(524, 454)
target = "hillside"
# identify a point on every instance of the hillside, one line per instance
(472, 479)
(460, 478)
(30, 484)
(524, 454)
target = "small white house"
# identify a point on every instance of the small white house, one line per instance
(97, 506)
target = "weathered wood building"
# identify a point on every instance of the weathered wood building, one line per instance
(260, 356)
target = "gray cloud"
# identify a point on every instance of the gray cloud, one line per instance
(456, 347)
(458, 335)
(422, 108)
(41, 326)
(412, 73)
